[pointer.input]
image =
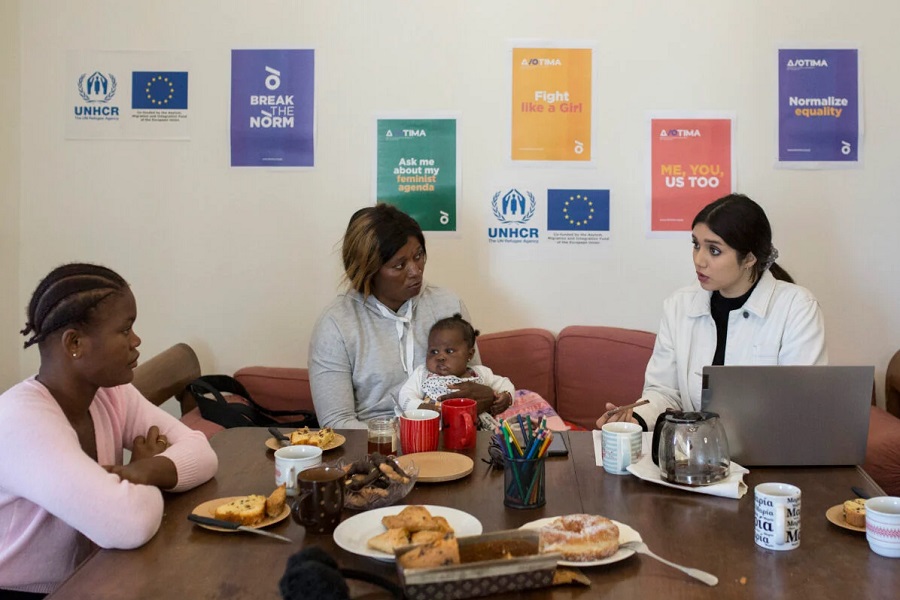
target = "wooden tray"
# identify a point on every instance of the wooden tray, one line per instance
(435, 467)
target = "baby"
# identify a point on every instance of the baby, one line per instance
(451, 345)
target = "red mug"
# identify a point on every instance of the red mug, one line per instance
(419, 431)
(459, 423)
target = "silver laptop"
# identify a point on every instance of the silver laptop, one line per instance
(789, 415)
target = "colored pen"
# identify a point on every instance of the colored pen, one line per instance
(512, 437)
(522, 429)
(545, 444)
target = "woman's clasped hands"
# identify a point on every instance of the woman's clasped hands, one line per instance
(141, 469)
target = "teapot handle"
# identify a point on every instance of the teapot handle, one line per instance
(657, 430)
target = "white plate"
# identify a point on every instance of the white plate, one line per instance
(353, 533)
(626, 534)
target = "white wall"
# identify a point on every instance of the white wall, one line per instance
(11, 316)
(239, 262)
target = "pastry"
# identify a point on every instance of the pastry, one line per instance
(855, 512)
(275, 501)
(411, 518)
(423, 537)
(390, 539)
(247, 510)
(580, 538)
(412, 525)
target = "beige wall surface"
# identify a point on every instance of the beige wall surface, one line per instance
(11, 317)
(239, 262)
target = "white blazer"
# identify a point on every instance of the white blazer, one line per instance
(780, 324)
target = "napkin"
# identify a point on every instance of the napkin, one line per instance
(732, 486)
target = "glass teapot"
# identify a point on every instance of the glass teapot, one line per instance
(690, 448)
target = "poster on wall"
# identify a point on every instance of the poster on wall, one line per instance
(273, 108)
(691, 164)
(417, 167)
(819, 120)
(552, 102)
(127, 95)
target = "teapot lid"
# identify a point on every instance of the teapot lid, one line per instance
(679, 416)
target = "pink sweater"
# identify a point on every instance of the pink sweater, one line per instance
(55, 500)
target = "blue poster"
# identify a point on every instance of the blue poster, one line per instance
(818, 107)
(272, 108)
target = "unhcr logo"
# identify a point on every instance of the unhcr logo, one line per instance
(513, 208)
(99, 87)
(97, 90)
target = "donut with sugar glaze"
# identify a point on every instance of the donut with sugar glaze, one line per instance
(580, 538)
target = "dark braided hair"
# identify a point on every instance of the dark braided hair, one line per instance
(469, 333)
(67, 296)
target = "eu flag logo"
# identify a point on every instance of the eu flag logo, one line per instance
(159, 89)
(578, 210)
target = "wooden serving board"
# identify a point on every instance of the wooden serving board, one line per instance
(435, 467)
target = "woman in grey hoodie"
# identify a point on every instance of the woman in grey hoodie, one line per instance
(371, 337)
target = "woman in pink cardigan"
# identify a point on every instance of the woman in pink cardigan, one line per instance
(63, 486)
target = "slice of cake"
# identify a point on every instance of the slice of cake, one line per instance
(275, 501)
(247, 510)
(855, 512)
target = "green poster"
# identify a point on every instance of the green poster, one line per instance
(417, 169)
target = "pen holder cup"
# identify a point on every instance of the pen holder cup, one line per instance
(524, 482)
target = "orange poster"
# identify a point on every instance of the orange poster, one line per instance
(691, 165)
(551, 104)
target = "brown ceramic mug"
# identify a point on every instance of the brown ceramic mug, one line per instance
(320, 499)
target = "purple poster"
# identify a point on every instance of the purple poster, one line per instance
(272, 108)
(818, 107)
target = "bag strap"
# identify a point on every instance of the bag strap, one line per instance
(218, 410)
(254, 414)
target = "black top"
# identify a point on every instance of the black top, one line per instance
(720, 306)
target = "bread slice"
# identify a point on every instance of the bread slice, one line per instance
(247, 510)
(433, 554)
(855, 512)
(275, 501)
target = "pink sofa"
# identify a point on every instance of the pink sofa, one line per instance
(578, 372)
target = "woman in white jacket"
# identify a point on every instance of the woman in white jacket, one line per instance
(745, 310)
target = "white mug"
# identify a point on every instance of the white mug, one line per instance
(290, 460)
(777, 516)
(620, 443)
(883, 525)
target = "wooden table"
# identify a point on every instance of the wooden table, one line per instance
(714, 534)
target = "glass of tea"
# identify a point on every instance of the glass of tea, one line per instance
(382, 435)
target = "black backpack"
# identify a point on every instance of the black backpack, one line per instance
(237, 414)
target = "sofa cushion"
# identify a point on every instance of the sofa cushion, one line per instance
(277, 388)
(596, 365)
(194, 420)
(525, 356)
(883, 450)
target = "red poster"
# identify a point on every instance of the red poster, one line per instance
(691, 165)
